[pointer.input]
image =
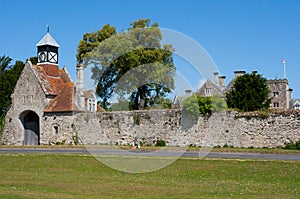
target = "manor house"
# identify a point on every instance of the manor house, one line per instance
(280, 93)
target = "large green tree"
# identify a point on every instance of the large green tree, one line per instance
(131, 63)
(249, 93)
(9, 75)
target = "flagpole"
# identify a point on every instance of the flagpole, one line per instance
(284, 68)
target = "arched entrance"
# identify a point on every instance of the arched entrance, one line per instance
(30, 121)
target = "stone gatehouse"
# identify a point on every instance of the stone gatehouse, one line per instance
(45, 91)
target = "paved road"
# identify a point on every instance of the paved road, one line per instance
(230, 155)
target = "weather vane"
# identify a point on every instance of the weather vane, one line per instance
(48, 29)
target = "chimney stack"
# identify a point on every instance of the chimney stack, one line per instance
(216, 78)
(79, 85)
(188, 92)
(222, 82)
(289, 98)
(239, 73)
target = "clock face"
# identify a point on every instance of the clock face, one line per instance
(42, 56)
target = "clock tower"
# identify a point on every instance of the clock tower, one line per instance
(47, 50)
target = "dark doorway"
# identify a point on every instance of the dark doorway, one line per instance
(30, 122)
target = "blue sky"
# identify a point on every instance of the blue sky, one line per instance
(238, 34)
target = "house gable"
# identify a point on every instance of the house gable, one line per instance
(90, 100)
(209, 89)
(28, 91)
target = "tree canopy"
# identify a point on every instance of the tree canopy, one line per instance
(9, 75)
(132, 62)
(196, 105)
(249, 93)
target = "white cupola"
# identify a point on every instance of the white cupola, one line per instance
(47, 50)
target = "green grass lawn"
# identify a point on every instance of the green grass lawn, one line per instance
(82, 176)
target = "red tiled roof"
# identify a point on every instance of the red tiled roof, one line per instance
(52, 84)
(57, 83)
(64, 76)
(64, 101)
(51, 69)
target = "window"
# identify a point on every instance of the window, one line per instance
(55, 129)
(207, 90)
(297, 107)
(276, 105)
(275, 94)
(91, 105)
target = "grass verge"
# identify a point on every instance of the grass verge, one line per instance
(221, 149)
(82, 176)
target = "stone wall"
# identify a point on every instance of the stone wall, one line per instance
(120, 128)
(57, 128)
(220, 129)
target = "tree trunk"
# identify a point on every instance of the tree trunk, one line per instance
(142, 93)
(157, 89)
(136, 100)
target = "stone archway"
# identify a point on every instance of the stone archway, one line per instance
(30, 121)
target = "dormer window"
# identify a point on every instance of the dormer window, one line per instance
(90, 101)
(296, 105)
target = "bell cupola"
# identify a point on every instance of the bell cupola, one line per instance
(47, 50)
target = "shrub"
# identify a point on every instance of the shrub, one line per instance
(292, 146)
(60, 143)
(160, 143)
(263, 114)
(298, 145)
(136, 119)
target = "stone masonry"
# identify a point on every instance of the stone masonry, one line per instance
(120, 128)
